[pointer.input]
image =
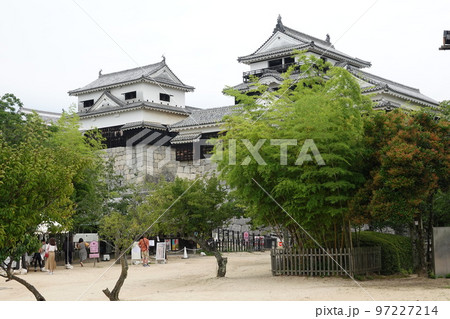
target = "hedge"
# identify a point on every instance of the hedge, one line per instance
(396, 250)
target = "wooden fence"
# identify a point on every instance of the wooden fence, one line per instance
(333, 262)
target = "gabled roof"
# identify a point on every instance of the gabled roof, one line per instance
(376, 83)
(386, 105)
(202, 117)
(157, 72)
(143, 124)
(106, 100)
(299, 41)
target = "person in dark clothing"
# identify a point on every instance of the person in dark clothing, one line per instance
(37, 257)
(68, 251)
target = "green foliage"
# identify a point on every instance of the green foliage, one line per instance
(191, 209)
(98, 193)
(121, 222)
(445, 109)
(441, 209)
(38, 166)
(396, 250)
(325, 108)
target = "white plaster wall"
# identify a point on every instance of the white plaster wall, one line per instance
(144, 92)
(259, 65)
(151, 93)
(277, 41)
(129, 117)
(88, 96)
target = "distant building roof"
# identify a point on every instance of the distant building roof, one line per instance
(46, 116)
(148, 73)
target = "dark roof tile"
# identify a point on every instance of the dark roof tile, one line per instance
(204, 117)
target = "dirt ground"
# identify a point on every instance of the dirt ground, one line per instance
(248, 278)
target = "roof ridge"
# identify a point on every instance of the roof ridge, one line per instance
(386, 81)
(307, 36)
(137, 68)
(213, 108)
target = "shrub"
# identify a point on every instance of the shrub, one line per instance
(396, 251)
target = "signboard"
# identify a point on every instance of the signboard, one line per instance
(152, 243)
(161, 252)
(136, 251)
(175, 244)
(93, 250)
(167, 241)
(246, 236)
(441, 244)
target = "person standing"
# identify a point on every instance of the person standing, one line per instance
(37, 258)
(81, 246)
(68, 251)
(51, 260)
(42, 251)
(144, 245)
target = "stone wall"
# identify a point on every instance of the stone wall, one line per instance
(138, 164)
(148, 163)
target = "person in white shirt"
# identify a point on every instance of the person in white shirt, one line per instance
(51, 261)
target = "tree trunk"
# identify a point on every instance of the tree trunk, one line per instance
(114, 294)
(421, 267)
(221, 261)
(429, 233)
(29, 286)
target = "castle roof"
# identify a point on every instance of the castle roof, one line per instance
(153, 73)
(285, 40)
(203, 117)
(371, 83)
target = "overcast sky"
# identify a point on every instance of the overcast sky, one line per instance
(50, 47)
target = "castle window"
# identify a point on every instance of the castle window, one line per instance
(164, 97)
(88, 103)
(130, 95)
(289, 60)
(184, 152)
(275, 63)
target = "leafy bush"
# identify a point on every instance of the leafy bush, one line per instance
(396, 251)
